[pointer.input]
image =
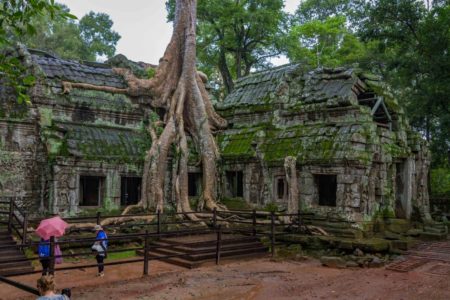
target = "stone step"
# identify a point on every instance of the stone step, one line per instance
(209, 253)
(397, 225)
(211, 247)
(7, 256)
(229, 255)
(433, 236)
(211, 239)
(17, 270)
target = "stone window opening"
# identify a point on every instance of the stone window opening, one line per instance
(91, 190)
(130, 190)
(194, 184)
(235, 183)
(281, 188)
(379, 110)
(326, 186)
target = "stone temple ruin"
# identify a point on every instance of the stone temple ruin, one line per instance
(357, 157)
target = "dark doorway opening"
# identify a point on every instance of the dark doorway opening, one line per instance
(326, 186)
(194, 184)
(235, 183)
(281, 188)
(91, 190)
(130, 190)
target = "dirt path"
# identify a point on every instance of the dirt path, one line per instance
(259, 279)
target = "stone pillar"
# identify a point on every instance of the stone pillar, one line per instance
(111, 199)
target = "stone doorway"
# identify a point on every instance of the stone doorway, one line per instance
(326, 186)
(91, 190)
(130, 190)
(235, 184)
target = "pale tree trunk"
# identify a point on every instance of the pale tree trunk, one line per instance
(179, 89)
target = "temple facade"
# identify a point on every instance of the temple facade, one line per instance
(73, 149)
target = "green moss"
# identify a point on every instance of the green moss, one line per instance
(271, 207)
(46, 117)
(235, 203)
(101, 100)
(395, 150)
(150, 73)
(109, 205)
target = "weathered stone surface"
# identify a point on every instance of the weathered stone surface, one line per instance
(376, 263)
(352, 264)
(358, 252)
(333, 262)
(372, 245)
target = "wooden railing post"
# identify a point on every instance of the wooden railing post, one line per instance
(11, 212)
(272, 233)
(25, 228)
(218, 244)
(146, 253)
(254, 222)
(214, 220)
(158, 228)
(98, 217)
(299, 220)
(52, 256)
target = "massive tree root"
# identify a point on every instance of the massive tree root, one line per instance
(179, 89)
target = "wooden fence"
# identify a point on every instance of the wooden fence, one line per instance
(251, 223)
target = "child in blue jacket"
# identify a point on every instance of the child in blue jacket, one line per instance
(44, 255)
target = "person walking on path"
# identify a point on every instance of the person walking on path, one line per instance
(44, 255)
(100, 246)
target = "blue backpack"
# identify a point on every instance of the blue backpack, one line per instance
(44, 248)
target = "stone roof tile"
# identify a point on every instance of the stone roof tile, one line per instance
(74, 71)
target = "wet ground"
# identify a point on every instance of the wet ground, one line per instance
(254, 279)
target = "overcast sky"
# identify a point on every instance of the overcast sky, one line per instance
(141, 23)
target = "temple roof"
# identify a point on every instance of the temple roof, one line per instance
(74, 71)
(94, 142)
(312, 86)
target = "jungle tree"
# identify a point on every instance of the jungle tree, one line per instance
(179, 89)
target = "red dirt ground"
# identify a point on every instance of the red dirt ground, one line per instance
(254, 279)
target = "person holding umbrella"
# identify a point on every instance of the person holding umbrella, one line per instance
(53, 227)
(100, 246)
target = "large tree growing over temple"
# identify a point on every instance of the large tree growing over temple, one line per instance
(179, 90)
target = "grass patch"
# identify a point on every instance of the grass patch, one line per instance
(121, 255)
(236, 204)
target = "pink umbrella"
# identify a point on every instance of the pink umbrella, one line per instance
(51, 227)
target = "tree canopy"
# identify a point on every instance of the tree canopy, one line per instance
(88, 39)
(15, 17)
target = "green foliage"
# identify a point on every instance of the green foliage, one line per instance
(271, 207)
(87, 39)
(96, 32)
(15, 21)
(409, 47)
(324, 43)
(150, 73)
(440, 182)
